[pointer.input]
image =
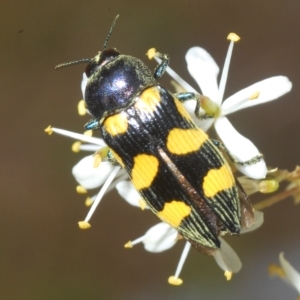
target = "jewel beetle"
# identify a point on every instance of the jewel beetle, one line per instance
(179, 172)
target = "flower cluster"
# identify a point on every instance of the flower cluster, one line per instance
(96, 171)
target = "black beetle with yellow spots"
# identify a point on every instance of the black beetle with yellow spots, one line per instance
(178, 171)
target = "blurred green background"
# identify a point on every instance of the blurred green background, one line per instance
(43, 254)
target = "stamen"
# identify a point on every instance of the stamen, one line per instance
(80, 189)
(88, 201)
(76, 136)
(255, 95)
(268, 186)
(142, 204)
(89, 147)
(175, 280)
(233, 38)
(151, 53)
(97, 160)
(76, 146)
(236, 106)
(49, 130)
(130, 244)
(275, 270)
(84, 225)
(210, 107)
(228, 275)
(88, 133)
(81, 108)
(177, 78)
(102, 192)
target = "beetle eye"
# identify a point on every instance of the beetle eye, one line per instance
(100, 60)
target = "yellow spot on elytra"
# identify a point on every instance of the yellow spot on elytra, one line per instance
(116, 124)
(88, 133)
(228, 275)
(174, 212)
(97, 160)
(181, 109)
(148, 100)
(233, 37)
(151, 53)
(275, 270)
(128, 245)
(84, 225)
(76, 146)
(80, 189)
(142, 204)
(254, 96)
(145, 168)
(183, 141)
(49, 130)
(88, 201)
(118, 158)
(175, 280)
(81, 108)
(217, 180)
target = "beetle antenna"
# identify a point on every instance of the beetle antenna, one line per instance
(110, 31)
(75, 62)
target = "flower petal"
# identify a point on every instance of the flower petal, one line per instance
(241, 149)
(88, 176)
(259, 219)
(227, 259)
(160, 237)
(128, 192)
(292, 275)
(269, 89)
(83, 84)
(204, 70)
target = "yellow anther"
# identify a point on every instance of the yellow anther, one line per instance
(268, 186)
(275, 270)
(88, 133)
(49, 130)
(142, 204)
(128, 245)
(228, 275)
(88, 201)
(81, 108)
(76, 147)
(84, 225)
(151, 53)
(233, 37)
(175, 280)
(80, 189)
(97, 160)
(255, 95)
(210, 107)
(103, 152)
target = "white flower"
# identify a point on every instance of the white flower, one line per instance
(91, 171)
(204, 70)
(287, 272)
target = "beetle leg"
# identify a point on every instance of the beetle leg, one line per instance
(92, 124)
(251, 161)
(162, 66)
(185, 96)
